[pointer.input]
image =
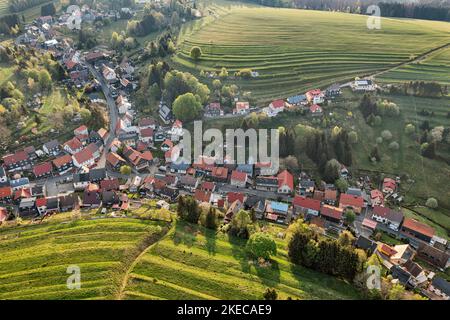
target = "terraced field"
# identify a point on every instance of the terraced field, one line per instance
(296, 50)
(3, 7)
(34, 259)
(195, 263)
(436, 67)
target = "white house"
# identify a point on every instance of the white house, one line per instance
(241, 108)
(73, 146)
(176, 132)
(315, 96)
(275, 107)
(123, 105)
(239, 179)
(363, 85)
(84, 158)
(109, 74)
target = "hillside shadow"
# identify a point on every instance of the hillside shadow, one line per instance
(185, 234)
(211, 237)
(238, 252)
(270, 275)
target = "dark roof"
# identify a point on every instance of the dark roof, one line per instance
(91, 198)
(52, 144)
(81, 177)
(52, 203)
(442, 285)
(110, 197)
(402, 275)
(97, 174)
(365, 244)
(68, 200)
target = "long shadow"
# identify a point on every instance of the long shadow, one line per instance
(211, 237)
(185, 233)
(238, 252)
(269, 275)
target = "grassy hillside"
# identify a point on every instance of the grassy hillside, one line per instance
(195, 263)
(295, 50)
(3, 7)
(34, 259)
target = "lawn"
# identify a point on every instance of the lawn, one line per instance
(296, 50)
(34, 259)
(196, 263)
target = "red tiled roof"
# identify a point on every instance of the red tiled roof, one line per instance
(42, 169)
(73, 144)
(389, 183)
(202, 196)
(168, 142)
(277, 104)
(313, 93)
(109, 184)
(207, 185)
(351, 200)
(233, 196)
(330, 194)
(61, 161)
(376, 194)
(113, 158)
(332, 212)
(418, 227)
(80, 129)
(220, 172)
(308, 203)
(147, 155)
(146, 133)
(239, 176)
(387, 250)
(22, 193)
(315, 108)
(242, 105)
(41, 202)
(145, 122)
(83, 155)
(286, 178)
(381, 211)
(102, 132)
(14, 158)
(369, 224)
(5, 192)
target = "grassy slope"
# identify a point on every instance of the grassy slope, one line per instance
(194, 263)
(295, 50)
(34, 259)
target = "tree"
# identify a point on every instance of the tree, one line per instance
(396, 292)
(211, 219)
(216, 84)
(45, 79)
(196, 53)
(432, 203)
(186, 107)
(346, 238)
(332, 170)
(188, 209)
(240, 223)
(349, 217)
(341, 185)
(410, 129)
(48, 10)
(223, 72)
(394, 145)
(270, 294)
(353, 137)
(85, 114)
(116, 40)
(125, 170)
(261, 245)
(386, 135)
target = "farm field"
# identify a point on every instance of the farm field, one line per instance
(297, 50)
(191, 262)
(3, 7)
(34, 259)
(436, 67)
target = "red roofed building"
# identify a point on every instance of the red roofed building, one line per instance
(285, 182)
(109, 184)
(42, 170)
(315, 96)
(73, 145)
(419, 230)
(83, 158)
(276, 106)
(315, 109)
(208, 186)
(356, 203)
(147, 123)
(3, 214)
(220, 174)
(81, 131)
(166, 145)
(241, 108)
(146, 135)
(389, 185)
(305, 205)
(41, 205)
(114, 160)
(202, 196)
(239, 179)
(376, 197)
(386, 250)
(331, 213)
(16, 161)
(233, 196)
(63, 163)
(6, 194)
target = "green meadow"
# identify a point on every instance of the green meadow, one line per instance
(297, 50)
(34, 258)
(192, 262)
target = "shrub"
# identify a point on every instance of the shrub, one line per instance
(432, 203)
(386, 135)
(394, 145)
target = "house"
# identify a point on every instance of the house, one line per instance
(266, 168)
(6, 194)
(81, 180)
(110, 198)
(349, 201)
(73, 146)
(238, 179)
(139, 160)
(188, 183)
(19, 183)
(42, 170)
(220, 174)
(241, 108)
(306, 206)
(419, 230)
(440, 287)
(27, 206)
(3, 215)
(202, 196)
(285, 182)
(330, 196)
(275, 107)
(390, 217)
(3, 177)
(316, 110)
(38, 191)
(418, 274)
(181, 167)
(166, 145)
(146, 135)
(82, 133)
(147, 123)
(297, 100)
(331, 213)
(109, 184)
(435, 256)
(386, 250)
(165, 113)
(114, 160)
(51, 148)
(233, 196)
(306, 187)
(404, 252)
(169, 193)
(365, 85)
(91, 199)
(123, 105)
(234, 208)
(103, 134)
(315, 96)
(176, 132)
(68, 202)
(97, 175)
(376, 197)
(266, 183)
(83, 158)
(63, 164)
(213, 110)
(365, 244)
(109, 74)
(23, 193)
(276, 211)
(52, 205)
(333, 91)
(17, 161)
(402, 276)
(389, 185)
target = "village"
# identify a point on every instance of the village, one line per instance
(135, 158)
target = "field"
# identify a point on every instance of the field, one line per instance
(195, 263)
(3, 7)
(296, 50)
(30, 14)
(435, 67)
(34, 259)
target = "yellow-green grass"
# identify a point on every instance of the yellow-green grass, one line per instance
(30, 13)
(296, 50)
(195, 263)
(4, 7)
(435, 67)
(34, 259)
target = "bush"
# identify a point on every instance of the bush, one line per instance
(261, 245)
(410, 129)
(394, 145)
(386, 135)
(379, 140)
(432, 203)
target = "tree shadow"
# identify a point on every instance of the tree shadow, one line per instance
(185, 233)
(238, 252)
(269, 275)
(211, 237)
